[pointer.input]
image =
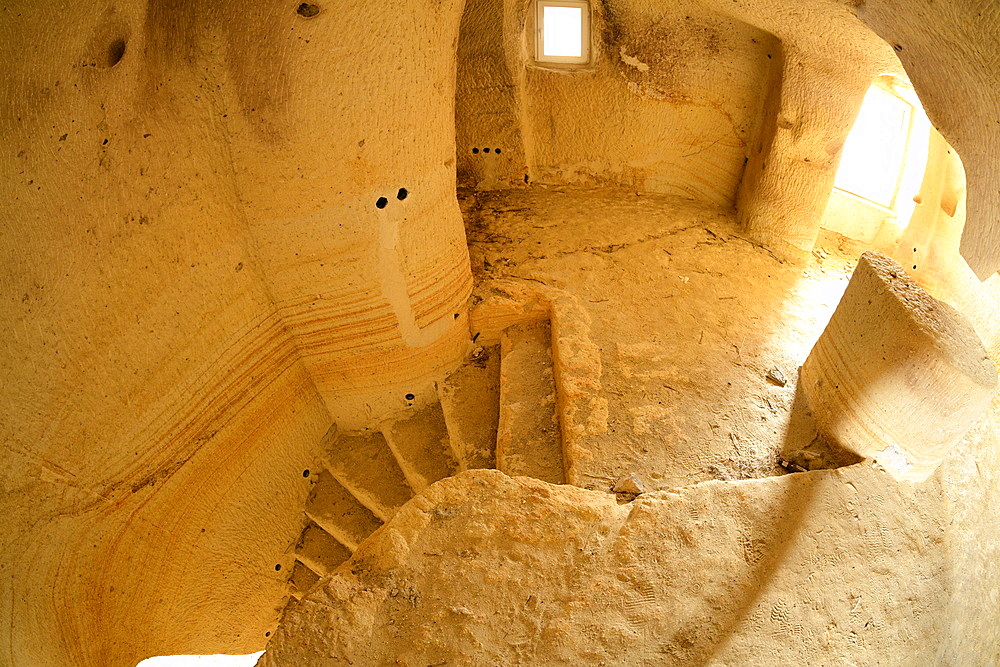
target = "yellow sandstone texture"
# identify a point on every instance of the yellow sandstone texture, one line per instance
(897, 375)
(831, 567)
(261, 283)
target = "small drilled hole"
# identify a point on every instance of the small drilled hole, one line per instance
(277, 568)
(116, 51)
(497, 151)
(914, 266)
(401, 195)
(305, 473)
(307, 10)
(486, 150)
(267, 634)
(475, 151)
(409, 397)
(381, 202)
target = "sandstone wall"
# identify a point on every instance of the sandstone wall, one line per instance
(667, 104)
(197, 278)
(196, 281)
(951, 53)
(775, 85)
(828, 567)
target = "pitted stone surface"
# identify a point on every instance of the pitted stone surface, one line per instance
(812, 568)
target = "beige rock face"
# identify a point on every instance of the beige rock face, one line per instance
(951, 55)
(829, 567)
(226, 227)
(667, 104)
(897, 375)
(196, 281)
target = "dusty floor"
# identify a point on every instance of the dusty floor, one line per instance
(731, 561)
(688, 346)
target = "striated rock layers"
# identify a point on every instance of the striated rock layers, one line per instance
(897, 375)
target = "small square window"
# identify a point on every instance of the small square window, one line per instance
(562, 31)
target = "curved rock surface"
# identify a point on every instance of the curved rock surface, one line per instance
(897, 375)
(481, 568)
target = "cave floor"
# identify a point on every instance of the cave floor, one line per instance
(826, 567)
(691, 319)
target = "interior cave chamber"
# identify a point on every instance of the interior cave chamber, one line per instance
(500, 332)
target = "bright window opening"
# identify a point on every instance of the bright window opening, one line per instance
(871, 165)
(562, 31)
(882, 166)
(218, 660)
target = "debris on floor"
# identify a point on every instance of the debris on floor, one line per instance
(628, 487)
(777, 377)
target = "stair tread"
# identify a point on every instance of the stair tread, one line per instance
(320, 551)
(365, 466)
(528, 438)
(470, 401)
(302, 579)
(422, 446)
(339, 513)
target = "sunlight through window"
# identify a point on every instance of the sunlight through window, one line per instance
(562, 28)
(563, 31)
(882, 166)
(872, 162)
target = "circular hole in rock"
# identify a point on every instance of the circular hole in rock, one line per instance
(497, 151)
(914, 266)
(277, 568)
(305, 473)
(116, 51)
(267, 634)
(486, 150)
(381, 202)
(409, 397)
(401, 195)
(307, 10)
(475, 151)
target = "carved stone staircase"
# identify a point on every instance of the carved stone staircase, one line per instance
(502, 409)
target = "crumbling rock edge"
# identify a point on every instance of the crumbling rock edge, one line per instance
(482, 568)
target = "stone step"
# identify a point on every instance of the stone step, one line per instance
(528, 438)
(422, 447)
(302, 580)
(339, 513)
(470, 401)
(320, 551)
(365, 466)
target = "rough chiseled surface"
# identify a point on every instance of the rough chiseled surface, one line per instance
(897, 375)
(822, 567)
(196, 278)
(528, 438)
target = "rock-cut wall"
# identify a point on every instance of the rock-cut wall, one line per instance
(196, 279)
(225, 226)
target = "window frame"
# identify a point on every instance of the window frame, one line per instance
(585, 38)
(910, 109)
